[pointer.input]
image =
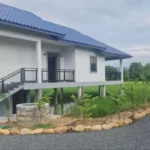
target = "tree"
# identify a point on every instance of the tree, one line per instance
(136, 71)
(147, 72)
(126, 75)
(110, 69)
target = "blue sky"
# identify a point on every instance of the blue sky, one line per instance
(123, 24)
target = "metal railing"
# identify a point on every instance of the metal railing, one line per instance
(112, 76)
(58, 75)
(20, 76)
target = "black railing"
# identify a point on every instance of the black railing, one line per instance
(20, 76)
(58, 75)
(113, 76)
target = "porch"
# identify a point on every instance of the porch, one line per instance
(29, 78)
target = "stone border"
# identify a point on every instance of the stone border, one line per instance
(77, 128)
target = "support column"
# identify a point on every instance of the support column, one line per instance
(39, 71)
(99, 91)
(61, 99)
(122, 75)
(55, 101)
(38, 95)
(11, 104)
(27, 96)
(103, 91)
(80, 91)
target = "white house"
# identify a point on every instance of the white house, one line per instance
(37, 54)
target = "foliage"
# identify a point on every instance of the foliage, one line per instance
(136, 70)
(83, 105)
(45, 99)
(110, 69)
(45, 126)
(126, 75)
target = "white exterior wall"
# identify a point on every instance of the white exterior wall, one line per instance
(82, 66)
(16, 54)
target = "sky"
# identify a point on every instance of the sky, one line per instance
(123, 24)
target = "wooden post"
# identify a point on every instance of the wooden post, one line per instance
(61, 99)
(55, 101)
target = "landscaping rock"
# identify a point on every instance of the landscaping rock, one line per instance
(114, 125)
(25, 131)
(5, 132)
(96, 127)
(137, 116)
(79, 128)
(120, 123)
(147, 111)
(70, 129)
(38, 131)
(49, 131)
(107, 126)
(15, 131)
(127, 121)
(87, 128)
(61, 129)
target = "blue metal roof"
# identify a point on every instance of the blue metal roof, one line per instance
(20, 18)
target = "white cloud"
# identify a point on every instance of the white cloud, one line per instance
(124, 24)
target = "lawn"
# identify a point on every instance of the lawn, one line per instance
(106, 106)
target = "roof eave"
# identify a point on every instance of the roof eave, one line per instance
(59, 35)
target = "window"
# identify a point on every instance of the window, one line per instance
(93, 64)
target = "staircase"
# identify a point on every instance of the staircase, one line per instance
(19, 78)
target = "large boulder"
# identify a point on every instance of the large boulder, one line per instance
(38, 131)
(96, 127)
(87, 128)
(61, 129)
(26, 131)
(79, 128)
(15, 131)
(49, 131)
(5, 132)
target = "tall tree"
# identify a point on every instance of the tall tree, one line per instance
(147, 72)
(136, 70)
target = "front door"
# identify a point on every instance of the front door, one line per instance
(52, 68)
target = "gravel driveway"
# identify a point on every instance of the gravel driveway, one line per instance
(132, 137)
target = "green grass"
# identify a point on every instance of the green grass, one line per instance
(45, 126)
(106, 106)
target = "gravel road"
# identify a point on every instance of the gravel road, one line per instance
(132, 137)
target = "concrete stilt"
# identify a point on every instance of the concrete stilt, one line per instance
(80, 91)
(11, 105)
(122, 89)
(28, 100)
(38, 95)
(61, 99)
(103, 91)
(55, 101)
(99, 91)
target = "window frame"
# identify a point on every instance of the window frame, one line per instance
(93, 57)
